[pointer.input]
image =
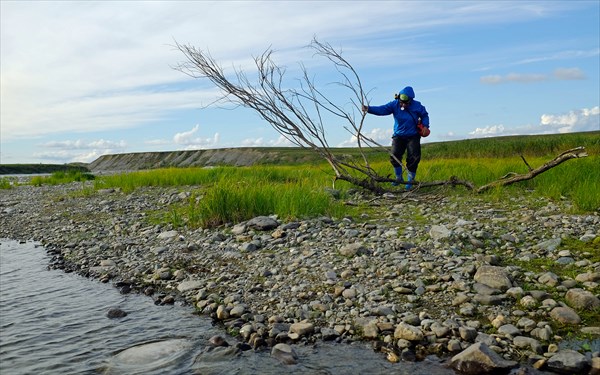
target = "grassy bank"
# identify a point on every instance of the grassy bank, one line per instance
(231, 194)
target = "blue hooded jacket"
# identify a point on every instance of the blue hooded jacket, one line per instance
(405, 120)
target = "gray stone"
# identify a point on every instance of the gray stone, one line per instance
(168, 235)
(248, 247)
(568, 361)
(478, 359)
(548, 246)
(490, 300)
(302, 328)
(494, 277)
(237, 311)
(188, 285)
(582, 299)
(329, 334)
(565, 315)
(352, 249)
(510, 330)
(439, 232)
(484, 289)
(408, 332)
(595, 331)
(549, 278)
(467, 333)
(368, 327)
(262, 223)
(528, 343)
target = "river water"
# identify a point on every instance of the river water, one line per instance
(53, 322)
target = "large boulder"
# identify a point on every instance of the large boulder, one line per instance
(494, 277)
(479, 359)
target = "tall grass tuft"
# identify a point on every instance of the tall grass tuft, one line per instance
(232, 202)
(61, 177)
(7, 182)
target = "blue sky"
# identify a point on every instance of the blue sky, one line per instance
(80, 79)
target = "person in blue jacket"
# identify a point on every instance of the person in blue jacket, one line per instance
(407, 114)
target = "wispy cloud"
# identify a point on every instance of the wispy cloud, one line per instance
(562, 74)
(568, 74)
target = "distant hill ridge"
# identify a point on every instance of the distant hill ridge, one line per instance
(202, 158)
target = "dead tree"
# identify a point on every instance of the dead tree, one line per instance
(299, 113)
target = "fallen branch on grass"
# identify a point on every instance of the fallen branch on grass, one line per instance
(574, 153)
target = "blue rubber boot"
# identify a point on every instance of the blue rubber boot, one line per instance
(398, 172)
(410, 177)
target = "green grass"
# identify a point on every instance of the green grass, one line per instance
(7, 182)
(61, 177)
(511, 146)
(229, 194)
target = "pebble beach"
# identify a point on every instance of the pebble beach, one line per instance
(428, 275)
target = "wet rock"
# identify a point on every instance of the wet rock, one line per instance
(285, 354)
(115, 313)
(218, 341)
(479, 359)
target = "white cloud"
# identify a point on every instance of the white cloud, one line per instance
(261, 142)
(580, 120)
(586, 119)
(79, 150)
(488, 131)
(190, 141)
(381, 136)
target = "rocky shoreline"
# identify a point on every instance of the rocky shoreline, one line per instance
(430, 275)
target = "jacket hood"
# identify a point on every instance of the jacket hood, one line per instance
(408, 91)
